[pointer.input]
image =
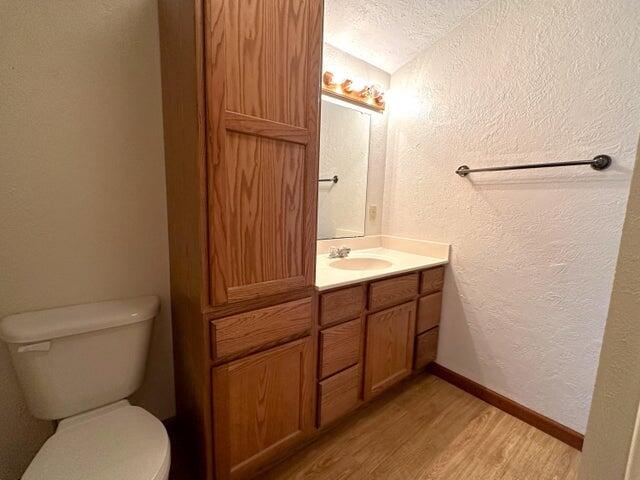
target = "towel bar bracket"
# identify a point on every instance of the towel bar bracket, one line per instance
(333, 179)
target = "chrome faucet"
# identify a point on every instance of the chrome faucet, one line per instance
(342, 252)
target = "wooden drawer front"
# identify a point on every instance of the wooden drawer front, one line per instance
(386, 293)
(339, 347)
(338, 395)
(426, 348)
(429, 309)
(341, 305)
(432, 280)
(248, 331)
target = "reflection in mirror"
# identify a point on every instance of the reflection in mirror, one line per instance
(344, 153)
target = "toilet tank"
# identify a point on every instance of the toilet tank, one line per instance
(73, 359)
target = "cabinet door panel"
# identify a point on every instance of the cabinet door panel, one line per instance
(263, 217)
(262, 98)
(266, 51)
(389, 347)
(262, 405)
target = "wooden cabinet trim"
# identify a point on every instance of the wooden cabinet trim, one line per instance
(339, 347)
(181, 40)
(211, 313)
(392, 291)
(272, 287)
(239, 122)
(246, 332)
(312, 88)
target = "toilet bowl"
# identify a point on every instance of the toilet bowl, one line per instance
(77, 365)
(119, 441)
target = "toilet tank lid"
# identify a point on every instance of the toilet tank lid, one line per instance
(53, 323)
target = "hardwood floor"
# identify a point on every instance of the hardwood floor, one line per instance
(430, 430)
(426, 429)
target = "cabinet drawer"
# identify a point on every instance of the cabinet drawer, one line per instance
(340, 305)
(426, 348)
(339, 347)
(429, 309)
(386, 293)
(249, 331)
(432, 280)
(338, 395)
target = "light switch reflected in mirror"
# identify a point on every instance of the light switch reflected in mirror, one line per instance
(344, 153)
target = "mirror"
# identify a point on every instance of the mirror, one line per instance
(344, 163)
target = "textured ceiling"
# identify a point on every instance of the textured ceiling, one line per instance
(389, 33)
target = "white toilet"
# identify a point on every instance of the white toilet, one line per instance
(78, 365)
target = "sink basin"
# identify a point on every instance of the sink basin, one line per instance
(360, 263)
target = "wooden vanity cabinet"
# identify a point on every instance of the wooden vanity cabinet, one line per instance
(373, 335)
(241, 95)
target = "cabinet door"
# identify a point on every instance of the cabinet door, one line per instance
(389, 347)
(262, 65)
(262, 405)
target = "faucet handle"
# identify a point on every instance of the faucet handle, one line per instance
(344, 250)
(333, 252)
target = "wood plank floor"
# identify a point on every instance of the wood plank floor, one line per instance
(430, 430)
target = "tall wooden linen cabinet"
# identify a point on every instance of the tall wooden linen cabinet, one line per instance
(241, 93)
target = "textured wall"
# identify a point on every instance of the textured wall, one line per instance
(338, 61)
(82, 196)
(617, 393)
(533, 252)
(344, 151)
(388, 33)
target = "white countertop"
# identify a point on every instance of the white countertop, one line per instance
(328, 277)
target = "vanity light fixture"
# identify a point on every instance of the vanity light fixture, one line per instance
(368, 96)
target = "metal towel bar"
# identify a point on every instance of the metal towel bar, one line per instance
(599, 162)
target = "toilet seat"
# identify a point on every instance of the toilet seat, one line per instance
(118, 441)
